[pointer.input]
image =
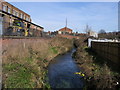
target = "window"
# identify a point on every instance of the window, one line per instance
(25, 17)
(22, 16)
(29, 19)
(9, 10)
(14, 12)
(5, 8)
(17, 14)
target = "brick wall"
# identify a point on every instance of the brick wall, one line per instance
(68, 36)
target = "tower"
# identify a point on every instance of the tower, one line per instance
(66, 25)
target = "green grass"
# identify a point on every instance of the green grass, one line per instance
(54, 50)
(11, 67)
(20, 78)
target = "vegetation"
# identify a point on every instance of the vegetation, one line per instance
(25, 61)
(97, 73)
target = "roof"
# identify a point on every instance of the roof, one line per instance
(65, 29)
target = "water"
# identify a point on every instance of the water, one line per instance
(61, 72)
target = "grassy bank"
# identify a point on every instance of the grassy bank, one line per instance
(97, 73)
(25, 60)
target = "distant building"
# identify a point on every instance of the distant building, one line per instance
(65, 30)
(92, 33)
(110, 35)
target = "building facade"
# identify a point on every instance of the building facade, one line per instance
(65, 30)
(93, 34)
(15, 21)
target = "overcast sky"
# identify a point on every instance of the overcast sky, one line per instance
(52, 15)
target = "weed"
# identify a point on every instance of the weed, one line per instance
(24, 66)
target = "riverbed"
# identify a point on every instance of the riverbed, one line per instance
(61, 72)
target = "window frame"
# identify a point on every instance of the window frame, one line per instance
(4, 8)
(9, 10)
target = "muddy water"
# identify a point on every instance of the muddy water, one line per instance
(61, 72)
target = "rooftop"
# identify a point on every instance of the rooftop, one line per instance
(65, 29)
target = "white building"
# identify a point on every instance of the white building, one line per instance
(92, 33)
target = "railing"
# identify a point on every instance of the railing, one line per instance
(10, 30)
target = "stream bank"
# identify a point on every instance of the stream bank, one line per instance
(97, 73)
(26, 65)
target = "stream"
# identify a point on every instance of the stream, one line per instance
(61, 72)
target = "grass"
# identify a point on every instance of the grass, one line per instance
(46, 82)
(19, 76)
(54, 50)
(25, 60)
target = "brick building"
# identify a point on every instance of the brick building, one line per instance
(13, 18)
(65, 30)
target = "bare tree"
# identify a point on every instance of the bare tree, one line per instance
(102, 31)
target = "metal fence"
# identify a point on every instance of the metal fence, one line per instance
(108, 50)
(9, 29)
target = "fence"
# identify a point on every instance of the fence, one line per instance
(9, 30)
(108, 50)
